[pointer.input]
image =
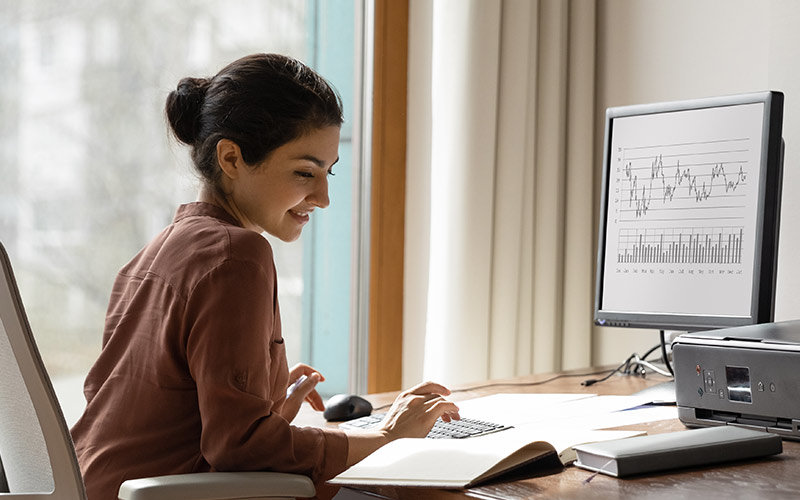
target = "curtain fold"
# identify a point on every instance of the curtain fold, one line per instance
(500, 207)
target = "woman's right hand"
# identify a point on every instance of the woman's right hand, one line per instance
(415, 410)
(412, 414)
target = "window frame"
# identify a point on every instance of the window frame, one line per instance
(387, 203)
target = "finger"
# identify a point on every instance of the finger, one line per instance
(304, 385)
(315, 400)
(298, 370)
(440, 402)
(301, 369)
(307, 389)
(311, 371)
(310, 382)
(443, 407)
(447, 417)
(418, 400)
(431, 400)
(429, 388)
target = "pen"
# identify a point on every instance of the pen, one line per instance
(296, 384)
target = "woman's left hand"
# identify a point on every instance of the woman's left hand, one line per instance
(302, 390)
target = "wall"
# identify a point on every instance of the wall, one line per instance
(651, 50)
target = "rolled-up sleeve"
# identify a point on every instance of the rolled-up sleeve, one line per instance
(236, 356)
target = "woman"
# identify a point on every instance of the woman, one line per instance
(193, 373)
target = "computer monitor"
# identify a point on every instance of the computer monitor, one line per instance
(690, 212)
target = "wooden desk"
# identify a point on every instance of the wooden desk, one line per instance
(773, 477)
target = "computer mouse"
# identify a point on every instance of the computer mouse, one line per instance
(343, 407)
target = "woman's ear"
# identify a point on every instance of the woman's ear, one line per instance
(229, 158)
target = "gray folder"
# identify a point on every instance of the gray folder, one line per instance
(641, 454)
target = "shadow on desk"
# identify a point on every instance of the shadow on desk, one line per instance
(770, 478)
(757, 479)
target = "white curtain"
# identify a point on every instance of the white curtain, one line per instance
(500, 213)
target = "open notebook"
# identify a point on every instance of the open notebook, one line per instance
(543, 425)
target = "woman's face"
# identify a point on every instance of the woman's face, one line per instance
(279, 194)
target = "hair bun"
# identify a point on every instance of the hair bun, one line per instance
(184, 105)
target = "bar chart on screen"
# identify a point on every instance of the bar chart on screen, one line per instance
(681, 245)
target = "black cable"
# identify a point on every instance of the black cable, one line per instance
(608, 372)
(651, 351)
(538, 382)
(631, 365)
(522, 384)
(664, 354)
(625, 368)
(592, 381)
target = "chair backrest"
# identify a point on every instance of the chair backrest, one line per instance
(36, 452)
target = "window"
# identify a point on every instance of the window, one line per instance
(90, 174)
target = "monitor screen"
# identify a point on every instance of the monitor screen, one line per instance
(690, 210)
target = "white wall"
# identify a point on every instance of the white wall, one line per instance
(652, 50)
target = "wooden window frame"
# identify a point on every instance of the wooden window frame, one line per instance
(387, 216)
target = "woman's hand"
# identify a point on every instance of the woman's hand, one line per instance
(415, 410)
(302, 390)
(412, 414)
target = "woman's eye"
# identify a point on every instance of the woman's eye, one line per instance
(307, 175)
(330, 171)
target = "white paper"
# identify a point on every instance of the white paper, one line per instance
(513, 409)
(586, 411)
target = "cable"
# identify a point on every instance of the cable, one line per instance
(633, 357)
(517, 384)
(647, 364)
(538, 382)
(633, 364)
(592, 381)
(651, 351)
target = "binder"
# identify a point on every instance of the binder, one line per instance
(657, 452)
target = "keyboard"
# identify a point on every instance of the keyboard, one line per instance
(455, 429)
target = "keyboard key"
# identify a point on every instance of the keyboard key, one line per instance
(455, 429)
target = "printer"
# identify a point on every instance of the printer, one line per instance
(747, 376)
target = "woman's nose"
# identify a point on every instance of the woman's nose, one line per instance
(319, 197)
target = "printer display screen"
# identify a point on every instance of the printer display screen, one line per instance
(738, 378)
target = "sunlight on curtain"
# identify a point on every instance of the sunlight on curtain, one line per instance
(464, 97)
(504, 256)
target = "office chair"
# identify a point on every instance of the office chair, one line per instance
(37, 457)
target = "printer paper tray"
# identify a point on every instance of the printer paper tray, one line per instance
(788, 428)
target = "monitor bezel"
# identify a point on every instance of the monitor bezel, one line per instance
(762, 307)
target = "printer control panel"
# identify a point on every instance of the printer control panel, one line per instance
(736, 385)
(758, 388)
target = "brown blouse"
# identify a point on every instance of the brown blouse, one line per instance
(193, 371)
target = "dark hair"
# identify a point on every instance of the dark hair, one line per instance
(260, 102)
